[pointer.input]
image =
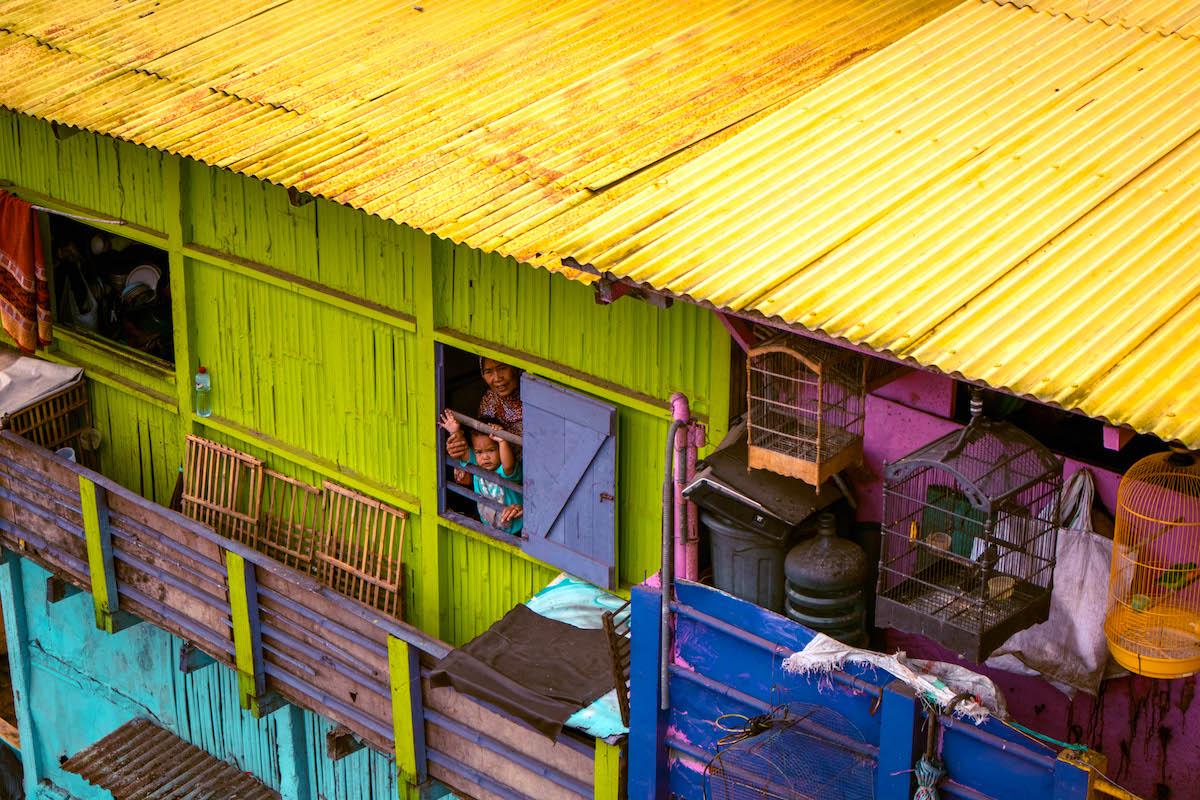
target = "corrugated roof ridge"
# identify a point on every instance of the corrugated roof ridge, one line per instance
(1019, 4)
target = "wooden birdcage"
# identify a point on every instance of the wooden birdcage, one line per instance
(804, 407)
(1153, 619)
(970, 524)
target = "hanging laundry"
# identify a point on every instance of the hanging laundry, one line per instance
(24, 295)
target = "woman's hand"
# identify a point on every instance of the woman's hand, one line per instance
(510, 513)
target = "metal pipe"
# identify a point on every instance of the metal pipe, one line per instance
(665, 574)
(681, 413)
(483, 427)
(696, 440)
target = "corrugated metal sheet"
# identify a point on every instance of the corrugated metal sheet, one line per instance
(927, 201)
(1006, 195)
(1159, 16)
(141, 761)
(474, 121)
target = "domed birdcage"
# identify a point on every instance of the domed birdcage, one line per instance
(800, 751)
(1153, 620)
(969, 530)
(804, 407)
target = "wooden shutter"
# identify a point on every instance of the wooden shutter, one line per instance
(570, 463)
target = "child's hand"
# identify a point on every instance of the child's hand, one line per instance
(449, 422)
(510, 513)
(495, 437)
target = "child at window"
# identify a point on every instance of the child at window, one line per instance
(490, 452)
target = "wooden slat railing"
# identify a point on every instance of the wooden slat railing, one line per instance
(320, 650)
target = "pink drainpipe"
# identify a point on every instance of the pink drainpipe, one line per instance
(688, 440)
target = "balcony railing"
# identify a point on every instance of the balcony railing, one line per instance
(287, 635)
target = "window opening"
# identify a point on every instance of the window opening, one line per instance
(548, 483)
(482, 397)
(105, 285)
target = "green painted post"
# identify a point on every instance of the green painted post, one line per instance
(408, 716)
(173, 220)
(94, 505)
(247, 636)
(607, 771)
(429, 588)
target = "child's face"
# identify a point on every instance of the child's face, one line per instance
(487, 452)
(501, 378)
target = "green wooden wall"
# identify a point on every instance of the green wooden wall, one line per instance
(319, 324)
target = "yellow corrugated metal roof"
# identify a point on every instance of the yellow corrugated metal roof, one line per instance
(476, 121)
(1158, 16)
(1005, 194)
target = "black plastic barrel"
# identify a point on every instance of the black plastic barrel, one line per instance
(826, 579)
(746, 563)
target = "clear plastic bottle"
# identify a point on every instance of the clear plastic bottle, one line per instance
(203, 394)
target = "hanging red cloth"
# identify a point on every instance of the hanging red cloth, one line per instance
(24, 296)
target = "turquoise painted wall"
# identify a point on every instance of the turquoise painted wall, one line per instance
(84, 683)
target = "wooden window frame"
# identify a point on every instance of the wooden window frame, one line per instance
(444, 465)
(73, 333)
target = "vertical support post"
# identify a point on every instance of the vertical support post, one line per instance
(648, 777)
(173, 222)
(247, 636)
(1072, 777)
(607, 771)
(408, 715)
(12, 596)
(429, 540)
(94, 505)
(899, 742)
(293, 754)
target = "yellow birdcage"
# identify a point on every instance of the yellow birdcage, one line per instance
(1153, 621)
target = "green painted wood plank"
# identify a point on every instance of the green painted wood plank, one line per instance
(429, 611)
(99, 552)
(408, 719)
(247, 638)
(607, 771)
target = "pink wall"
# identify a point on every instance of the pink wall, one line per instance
(1149, 730)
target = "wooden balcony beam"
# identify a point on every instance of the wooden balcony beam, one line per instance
(341, 742)
(193, 659)
(58, 589)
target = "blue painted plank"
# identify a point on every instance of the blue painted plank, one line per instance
(899, 742)
(570, 452)
(647, 725)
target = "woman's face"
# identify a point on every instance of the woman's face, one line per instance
(500, 378)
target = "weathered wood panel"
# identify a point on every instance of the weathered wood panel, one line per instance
(322, 651)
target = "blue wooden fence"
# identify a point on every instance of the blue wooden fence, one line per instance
(727, 658)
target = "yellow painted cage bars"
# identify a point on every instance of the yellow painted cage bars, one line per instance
(1153, 620)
